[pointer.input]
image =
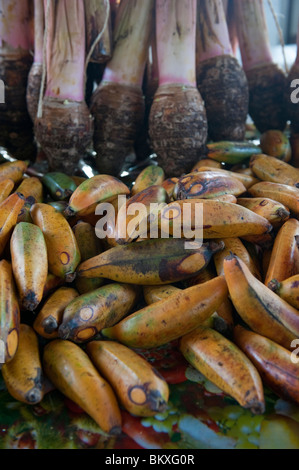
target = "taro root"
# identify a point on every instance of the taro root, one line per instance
(15, 62)
(220, 78)
(266, 80)
(118, 103)
(178, 125)
(64, 126)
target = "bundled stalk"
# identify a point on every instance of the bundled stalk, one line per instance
(265, 79)
(178, 121)
(64, 126)
(118, 104)
(95, 14)
(229, 8)
(220, 78)
(15, 63)
(36, 71)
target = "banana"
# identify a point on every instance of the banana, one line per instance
(49, 318)
(284, 257)
(170, 319)
(273, 170)
(246, 179)
(232, 153)
(150, 262)
(128, 224)
(206, 185)
(9, 313)
(25, 212)
(59, 186)
(89, 314)
(31, 188)
(275, 212)
(260, 308)
(9, 212)
(138, 386)
(13, 170)
(220, 219)
(286, 195)
(236, 247)
(63, 252)
(276, 144)
(71, 371)
(96, 190)
(273, 362)
(151, 176)
(226, 198)
(288, 290)
(169, 186)
(6, 188)
(225, 365)
(207, 163)
(23, 376)
(29, 264)
(52, 283)
(89, 246)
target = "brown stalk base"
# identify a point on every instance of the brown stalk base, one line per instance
(178, 128)
(292, 93)
(64, 133)
(16, 129)
(266, 97)
(223, 86)
(33, 89)
(118, 111)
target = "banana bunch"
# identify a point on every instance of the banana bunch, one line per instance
(81, 292)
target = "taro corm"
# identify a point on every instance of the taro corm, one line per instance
(118, 103)
(220, 78)
(265, 79)
(16, 39)
(64, 125)
(178, 120)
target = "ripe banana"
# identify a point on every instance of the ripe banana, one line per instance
(9, 211)
(274, 170)
(286, 195)
(170, 319)
(71, 371)
(150, 262)
(273, 362)
(288, 290)
(49, 318)
(9, 313)
(220, 219)
(276, 144)
(31, 188)
(154, 294)
(151, 176)
(13, 170)
(207, 163)
(23, 376)
(260, 308)
(100, 188)
(63, 252)
(232, 153)
(169, 186)
(88, 314)
(245, 179)
(275, 212)
(207, 185)
(29, 264)
(138, 386)
(225, 365)
(284, 257)
(236, 247)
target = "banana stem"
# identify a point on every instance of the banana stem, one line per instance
(15, 32)
(176, 41)
(39, 27)
(132, 32)
(212, 30)
(253, 33)
(66, 51)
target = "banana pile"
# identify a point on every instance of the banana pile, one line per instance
(76, 309)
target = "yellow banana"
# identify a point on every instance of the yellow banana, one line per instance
(9, 212)
(225, 365)
(272, 169)
(286, 195)
(275, 212)
(151, 176)
(246, 179)
(6, 187)
(138, 386)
